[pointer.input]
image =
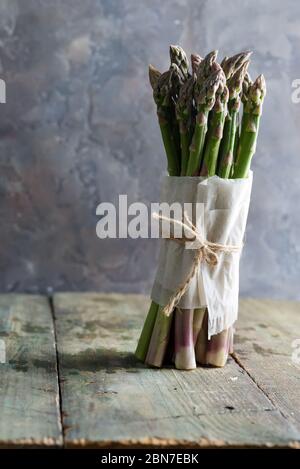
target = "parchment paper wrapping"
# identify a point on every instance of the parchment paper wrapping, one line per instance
(223, 220)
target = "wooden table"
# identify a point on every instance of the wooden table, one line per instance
(70, 378)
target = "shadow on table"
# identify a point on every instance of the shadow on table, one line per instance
(99, 359)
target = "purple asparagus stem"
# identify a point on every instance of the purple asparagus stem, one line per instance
(184, 340)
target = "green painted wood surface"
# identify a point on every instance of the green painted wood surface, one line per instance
(110, 399)
(29, 395)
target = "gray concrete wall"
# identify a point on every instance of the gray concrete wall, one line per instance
(79, 128)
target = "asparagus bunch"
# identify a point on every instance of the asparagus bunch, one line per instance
(199, 117)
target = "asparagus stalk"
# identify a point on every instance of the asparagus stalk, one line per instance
(247, 83)
(237, 136)
(215, 130)
(180, 73)
(185, 112)
(177, 80)
(144, 340)
(202, 68)
(159, 339)
(165, 88)
(162, 93)
(202, 340)
(197, 322)
(179, 58)
(161, 86)
(184, 109)
(184, 340)
(205, 94)
(195, 62)
(218, 348)
(250, 127)
(235, 83)
(230, 65)
(206, 66)
(244, 97)
(213, 352)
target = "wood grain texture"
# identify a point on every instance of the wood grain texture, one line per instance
(266, 332)
(109, 399)
(29, 396)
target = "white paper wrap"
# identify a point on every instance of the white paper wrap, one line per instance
(223, 220)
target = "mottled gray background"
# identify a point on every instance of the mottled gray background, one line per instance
(79, 128)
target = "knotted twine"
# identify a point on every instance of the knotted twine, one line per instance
(207, 252)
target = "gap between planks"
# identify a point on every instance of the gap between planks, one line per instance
(52, 311)
(238, 361)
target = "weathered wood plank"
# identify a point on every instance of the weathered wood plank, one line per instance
(109, 399)
(29, 397)
(263, 345)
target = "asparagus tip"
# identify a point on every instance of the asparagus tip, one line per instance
(195, 62)
(207, 92)
(154, 76)
(257, 91)
(232, 64)
(260, 85)
(213, 55)
(261, 82)
(235, 82)
(178, 57)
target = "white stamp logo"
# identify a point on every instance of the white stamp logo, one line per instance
(296, 353)
(2, 351)
(295, 96)
(2, 91)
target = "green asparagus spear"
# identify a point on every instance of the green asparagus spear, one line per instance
(166, 88)
(237, 136)
(205, 95)
(250, 127)
(206, 67)
(247, 83)
(244, 98)
(234, 83)
(195, 62)
(215, 129)
(184, 109)
(231, 64)
(145, 337)
(162, 92)
(177, 81)
(179, 58)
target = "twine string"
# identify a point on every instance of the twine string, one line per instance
(207, 252)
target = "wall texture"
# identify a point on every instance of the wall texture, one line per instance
(79, 128)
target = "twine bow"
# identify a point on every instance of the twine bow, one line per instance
(207, 252)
